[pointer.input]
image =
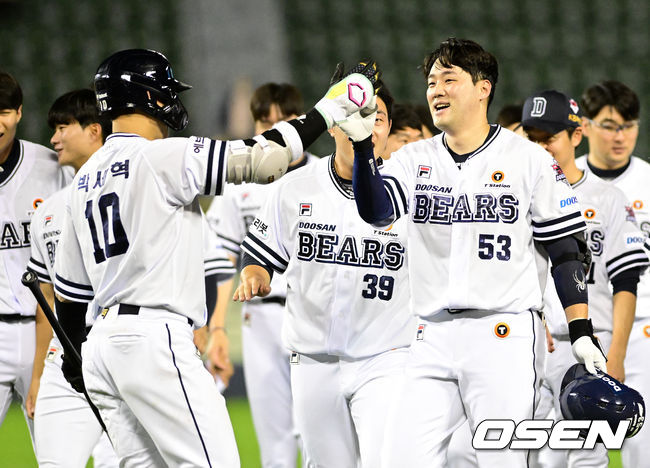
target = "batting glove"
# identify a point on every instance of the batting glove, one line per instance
(357, 127)
(585, 346)
(72, 374)
(349, 93)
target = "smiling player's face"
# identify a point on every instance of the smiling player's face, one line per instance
(9, 119)
(453, 97)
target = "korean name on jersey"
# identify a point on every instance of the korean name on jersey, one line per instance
(472, 230)
(133, 231)
(616, 245)
(347, 282)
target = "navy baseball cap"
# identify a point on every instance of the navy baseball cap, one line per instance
(551, 111)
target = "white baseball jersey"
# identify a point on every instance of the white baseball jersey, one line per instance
(471, 230)
(231, 215)
(347, 283)
(30, 175)
(46, 226)
(133, 225)
(634, 184)
(616, 244)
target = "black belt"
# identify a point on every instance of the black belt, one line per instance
(274, 300)
(128, 309)
(15, 318)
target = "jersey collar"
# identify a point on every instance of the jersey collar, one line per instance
(344, 186)
(13, 161)
(460, 159)
(122, 135)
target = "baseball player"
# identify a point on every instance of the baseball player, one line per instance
(476, 197)
(29, 174)
(132, 244)
(611, 125)
(65, 428)
(553, 120)
(406, 128)
(265, 360)
(348, 320)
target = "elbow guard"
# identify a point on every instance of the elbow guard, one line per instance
(261, 162)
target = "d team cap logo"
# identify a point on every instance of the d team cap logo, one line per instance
(589, 213)
(498, 176)
(501, 330)
(539, 107)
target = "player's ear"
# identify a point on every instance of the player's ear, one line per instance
(95, 131)
(586, 126)
(19, 113)
(485, 88)
(576, 137)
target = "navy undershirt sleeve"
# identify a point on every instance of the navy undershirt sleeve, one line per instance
(250, 260)
(373, 202)
(568, 275)
(627, 280)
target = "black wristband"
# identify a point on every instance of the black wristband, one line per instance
(579, 328)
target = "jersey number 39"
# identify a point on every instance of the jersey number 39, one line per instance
(121, 243)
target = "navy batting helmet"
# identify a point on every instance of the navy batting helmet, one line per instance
(140, 80)
(586, 396)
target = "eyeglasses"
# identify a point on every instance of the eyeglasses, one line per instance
(613, 128)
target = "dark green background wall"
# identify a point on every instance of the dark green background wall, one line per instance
(54, 46)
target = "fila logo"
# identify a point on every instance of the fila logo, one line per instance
(420, 334)
(48, 220)
(305, 209)
(574, 106)
(539, 107)
(424, 171)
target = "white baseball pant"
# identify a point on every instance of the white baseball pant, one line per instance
(340, 406)
(66, 431)
(458, 369)
(268, 383)
(634, 452)
(17, 345)
(159, 403)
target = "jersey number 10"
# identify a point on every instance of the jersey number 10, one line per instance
(121, 243)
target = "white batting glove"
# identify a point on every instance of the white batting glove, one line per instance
(587, 353)
(352, 94)
(357, 127)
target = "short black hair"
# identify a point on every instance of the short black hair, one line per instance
(404, 116)
(386, 96)
(11, 95)
(610, 93)
(510, 114)
(469, 56)
(285, 95)
(78, 106)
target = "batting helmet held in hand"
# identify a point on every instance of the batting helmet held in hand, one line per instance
(586, 396)
(140, 80)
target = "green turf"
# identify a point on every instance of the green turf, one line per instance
(16, 448)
